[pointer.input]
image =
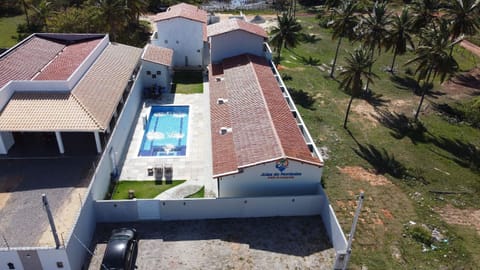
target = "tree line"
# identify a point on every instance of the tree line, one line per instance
(429, 28)
(119, 18)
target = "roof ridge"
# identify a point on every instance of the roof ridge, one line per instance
(77, 99)
(277, 137)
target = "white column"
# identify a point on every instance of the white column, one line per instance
(59, 142)
(97, 142)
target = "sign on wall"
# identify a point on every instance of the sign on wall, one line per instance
(281, 171)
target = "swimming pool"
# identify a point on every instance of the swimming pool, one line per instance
(165, 132)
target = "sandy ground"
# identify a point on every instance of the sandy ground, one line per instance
(467, 217)
(359, 173)
(64, 218)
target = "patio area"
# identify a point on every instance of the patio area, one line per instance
(195, 166)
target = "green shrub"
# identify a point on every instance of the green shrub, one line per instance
(421, 235)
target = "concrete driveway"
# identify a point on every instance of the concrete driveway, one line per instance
(254, 243)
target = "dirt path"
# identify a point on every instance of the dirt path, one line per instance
(471, 47)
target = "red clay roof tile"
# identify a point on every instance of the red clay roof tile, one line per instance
(25, 61)
(102, 87)
(263, 127)
(68, 60)
(158, 55)
(230, 25)
(184, 11)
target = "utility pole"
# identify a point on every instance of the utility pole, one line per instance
(352, 230)
(50, 220)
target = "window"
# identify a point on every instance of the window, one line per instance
(178, 42)
(166, 41)
(148, 72)
(10, 265)
(198, 51)
(154, 76)
(159, 72)
(59, 264)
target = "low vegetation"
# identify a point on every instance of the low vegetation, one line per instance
(411, 171)
(142, 189)
(8, 26)
(199, 194)
(187, 82)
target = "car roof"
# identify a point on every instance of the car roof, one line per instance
(115, 253)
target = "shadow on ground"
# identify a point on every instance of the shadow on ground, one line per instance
(402, 126)
(297, 236)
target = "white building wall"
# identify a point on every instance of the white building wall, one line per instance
(266, 180)
(163, 79)
(7, 257)
(6, 141)
(183, 36)
(50, 257)
(235, 43)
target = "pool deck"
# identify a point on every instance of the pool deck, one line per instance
(196, 166)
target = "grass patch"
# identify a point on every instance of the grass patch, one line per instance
(188, 82)
(417, 159)
(143, 189)
(8, 30)
(199, 194)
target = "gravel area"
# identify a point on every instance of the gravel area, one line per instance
(254, 243)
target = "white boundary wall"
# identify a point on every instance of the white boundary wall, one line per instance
(190, 209)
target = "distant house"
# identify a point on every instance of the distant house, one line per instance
(59, 84)
(258, 148)
(157, 63)
(182, 28)
(235, 37)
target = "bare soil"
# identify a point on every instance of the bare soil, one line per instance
(466, 217)
(359, 173)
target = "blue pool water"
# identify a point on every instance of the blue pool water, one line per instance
(165, 132)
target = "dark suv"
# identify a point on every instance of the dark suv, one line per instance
(121, 250)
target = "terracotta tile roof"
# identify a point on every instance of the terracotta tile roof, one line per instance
(158, 55)
(184, 11)
(68, 60)
(88, 107)
(223, 153)
(230, 25)
(45, 111)
(263, 128)
(25, 61)
(101, 89)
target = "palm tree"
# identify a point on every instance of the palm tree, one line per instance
(424, 12)
(433, 58)
(374, 29)
(357, 67)
(43, 11)
(135, 8)
(113, 14)
(399, 35)
(286, 35)
(463, 17)
(25, 8)
(343, 22)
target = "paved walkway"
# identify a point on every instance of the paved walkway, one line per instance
(196, 166)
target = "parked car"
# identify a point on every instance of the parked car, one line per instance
(121, 250)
